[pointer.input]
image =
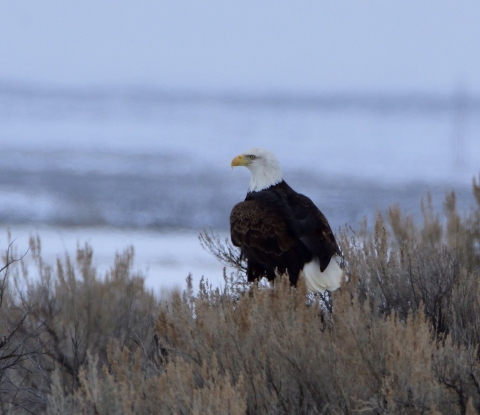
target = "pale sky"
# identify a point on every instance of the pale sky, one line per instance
(246, 45)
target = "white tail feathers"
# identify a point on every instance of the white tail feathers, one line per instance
(318, 281)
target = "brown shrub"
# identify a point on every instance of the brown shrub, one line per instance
(401, 337)
(68, 313)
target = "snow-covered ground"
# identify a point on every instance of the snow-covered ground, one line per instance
(125, 167)
(130, 158)
(165, 258)
(388, 139)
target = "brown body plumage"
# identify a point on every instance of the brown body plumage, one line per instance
(278, 229)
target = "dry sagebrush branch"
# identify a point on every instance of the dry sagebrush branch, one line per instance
(225, 252)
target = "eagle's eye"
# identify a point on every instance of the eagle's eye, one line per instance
(252, 157)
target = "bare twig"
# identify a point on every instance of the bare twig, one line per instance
(224, 251)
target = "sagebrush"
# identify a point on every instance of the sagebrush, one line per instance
(402, 336)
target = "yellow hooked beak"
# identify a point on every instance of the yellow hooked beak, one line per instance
(239, 161)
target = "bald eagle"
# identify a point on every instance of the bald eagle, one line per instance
(278, 229)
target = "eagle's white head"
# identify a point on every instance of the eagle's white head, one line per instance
(264, 166)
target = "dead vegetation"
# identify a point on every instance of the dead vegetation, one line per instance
(402, 336)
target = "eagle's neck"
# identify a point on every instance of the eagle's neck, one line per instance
(262, 179)
(262, 182)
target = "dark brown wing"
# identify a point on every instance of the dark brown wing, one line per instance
(312, 228)
(260, 228)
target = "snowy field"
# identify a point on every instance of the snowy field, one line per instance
(165, 258)
(151, 168)
(391, 139)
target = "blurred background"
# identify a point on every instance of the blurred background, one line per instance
(118, 120)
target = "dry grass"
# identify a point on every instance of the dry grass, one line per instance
(402, 336)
